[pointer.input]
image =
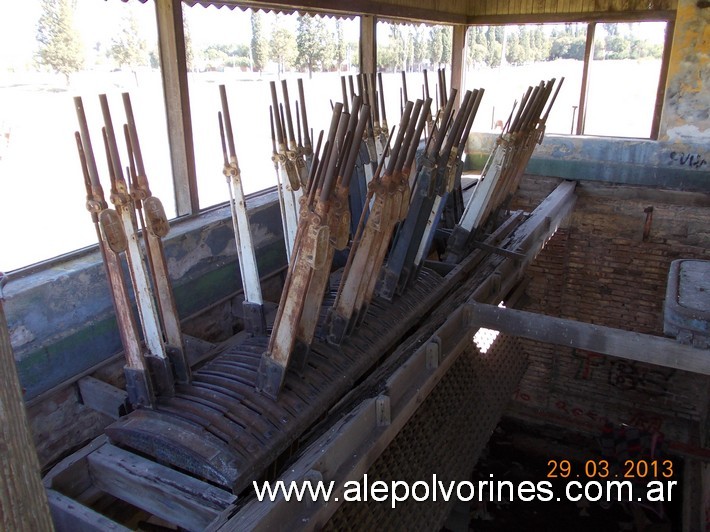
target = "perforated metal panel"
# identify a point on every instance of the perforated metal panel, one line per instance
(445, 437)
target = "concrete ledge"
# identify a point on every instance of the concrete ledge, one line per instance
(669, 165)
(60, 314)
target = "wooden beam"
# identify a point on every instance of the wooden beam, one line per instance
(71, 476)
(596, 338)
(70, 515)
(173, 68)
(662, 79)
(458, 62)
(414, 12)
(102, 397)
(368, 44)
(571, 17)
(584, 92)
(23, 503)
(165, 493)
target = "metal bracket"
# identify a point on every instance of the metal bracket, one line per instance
(314, 477)
(338, 329)
(270, 377)
(384, 411)
(138, 387)
(299, 356)
(254, 318)
(179, 363)
(433, 353)
(161, 371)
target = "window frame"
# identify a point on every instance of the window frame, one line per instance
(578, 128)
(663, 75)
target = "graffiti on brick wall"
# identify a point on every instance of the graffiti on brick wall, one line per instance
(622, 374)
(587, 364)
(579, 412)
(691, 160)
(630, 375)
(645, 421)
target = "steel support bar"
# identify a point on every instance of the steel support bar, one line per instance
(596, 338)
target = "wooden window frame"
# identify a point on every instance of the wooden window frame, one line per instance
(663, 75)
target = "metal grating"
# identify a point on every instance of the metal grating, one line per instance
(445, 437)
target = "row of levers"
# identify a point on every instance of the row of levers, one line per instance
(366, 207)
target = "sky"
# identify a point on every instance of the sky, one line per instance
(95, 20)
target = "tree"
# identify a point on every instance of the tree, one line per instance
(189, 55)
(514, 51)
(617, 47)
(214, 58)
(282, 47)
(419, 49)
(128, 48)
(327, 44)
(259, 48)
(541, 45)
(494, 45)
(477, 51)
(398, 49)
(340, 46)
(436, 46)
(447, 33)
(567, 47)
(409, 51)
(60, 46)
(313, 43)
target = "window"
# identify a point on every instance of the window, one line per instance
(505, 60)
(245, 50)
(623, 79)
(412, 49)
(623, 74)
(86, 48)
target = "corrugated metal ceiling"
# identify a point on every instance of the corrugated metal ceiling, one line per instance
(278, 9)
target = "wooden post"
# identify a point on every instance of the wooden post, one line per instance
(588, 57)
(23, 502)
(368, 44)
(662, 80)
(458, 61)
(173, 68)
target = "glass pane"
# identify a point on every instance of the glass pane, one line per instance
(623, 80)
(413, 49)
(505, 60)
(86, 48)
(246, 50)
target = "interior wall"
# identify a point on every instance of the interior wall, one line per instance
(600, 270)
(61, 318)
(686, 109)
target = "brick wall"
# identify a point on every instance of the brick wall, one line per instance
(599, 270)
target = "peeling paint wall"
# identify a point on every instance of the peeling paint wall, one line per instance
(686, 109)
(670, 165)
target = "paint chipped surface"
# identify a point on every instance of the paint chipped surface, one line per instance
(686, 114)
(20, 336)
